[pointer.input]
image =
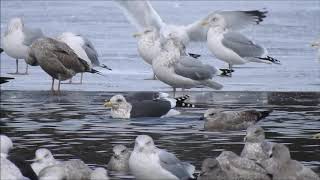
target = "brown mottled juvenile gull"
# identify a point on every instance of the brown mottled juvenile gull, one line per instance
(281, 166)
(17, 39)
(237, 167)
(120, 159)
(211, 170)
(221, 119)
(57, 59)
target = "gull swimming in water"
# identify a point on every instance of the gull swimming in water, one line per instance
(43, 158)
(8, 170)
(83, 48)
(175, 68)
(149, 162)
(211, 170)
(254, 141)
(120, 159)
(316, 44)
(121, 108)
(230, 46)
(17, 39)
(220, 119)
(57, 59)
(281, 166)
(237, 167)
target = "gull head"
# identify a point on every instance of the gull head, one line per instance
(121, 152)
(209, 165)
(280, 152)
(120, 108)
(144, 143)
(210, 113)
(5, 145)
(214, 20)
(99, 174)
(43, 155)
(254, 134)
(15, 24)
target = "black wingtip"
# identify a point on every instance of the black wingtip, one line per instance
(5, 79)
(271, 59)
(1, 50)
(226, 72)
(93, 71)
(105, 67)
(264, 114)
(182, 98)
(196, 56)
(259, 15)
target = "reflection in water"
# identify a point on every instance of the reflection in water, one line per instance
(76, 125)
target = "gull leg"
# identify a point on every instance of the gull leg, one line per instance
(59, 87)
(27, 68)
(81, 78)
(231, 70)
(52, 86)
(17, 67)
(174, 92)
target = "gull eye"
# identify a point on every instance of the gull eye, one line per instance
(123, 151)
(211, 114)
(149, 142)
(214, 19)
(47, 155)
(119, 100)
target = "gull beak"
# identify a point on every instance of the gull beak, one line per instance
(32, 160)
(108, 104)
(136, 35)
(204, 23)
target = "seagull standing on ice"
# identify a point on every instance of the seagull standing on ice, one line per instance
(17, 39)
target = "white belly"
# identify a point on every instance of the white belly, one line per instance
(219, 51)
(13, 45)
(146, 168)
(148, 51)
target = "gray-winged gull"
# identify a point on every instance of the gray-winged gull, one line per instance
(281, 166)
(316, 44)
(17, 39)
(43, 158)
(254, 140)
(8, 170)
(121, 108)
(149, 162)
(83, 48)
(57, 59)
(175, 68)
(211, 170)
(232, 47)
(120, 159)
(221, 119)
(237, 167)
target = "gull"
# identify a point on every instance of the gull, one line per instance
(211, 170)
(122, 109)
(17, 39)
(83, 48)
(120, 159)
(220, 119)
(254, 140)
(149, 162)
(67, 170)
(8, 169)
(43, 158)
(316, 44)
(149, 45)
(175, 68)
(241, 168)
(281, 166)
(57, 59)
(231, 46)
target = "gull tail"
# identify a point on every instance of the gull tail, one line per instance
(212, 84)
(271, 59)
(105, 67)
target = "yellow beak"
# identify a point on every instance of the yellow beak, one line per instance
(204, 23)
(136, 35)
(108, 104)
